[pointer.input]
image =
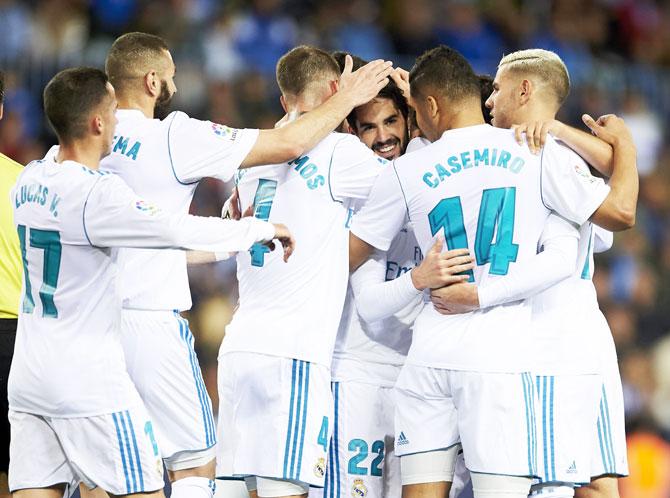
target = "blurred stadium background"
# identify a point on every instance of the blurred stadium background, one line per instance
(617, 51)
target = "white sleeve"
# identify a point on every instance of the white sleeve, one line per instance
(354, 169)
(416, 143)
(375, 297)
(201, 149)
(384, 213)
(114, 216)
(603, 239)
(555, 263)
(567, 185)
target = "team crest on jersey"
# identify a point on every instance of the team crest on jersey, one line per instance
(147, 207)
(320, 467)
(359, 490)
(224, 131)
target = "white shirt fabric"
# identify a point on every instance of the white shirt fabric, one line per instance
(567, 320)
(293, 309)
(163, 161)
(372, 352)
(452, 176)
(68, 360)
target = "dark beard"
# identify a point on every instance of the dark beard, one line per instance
(162, 106)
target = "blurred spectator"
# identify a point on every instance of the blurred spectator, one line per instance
(466, 30)
(647, 131)
(263, 33)
(15, 31)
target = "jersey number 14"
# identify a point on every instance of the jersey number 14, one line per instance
(496, 216)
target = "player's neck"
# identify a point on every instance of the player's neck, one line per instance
(462, 119)
(86, 154)
(536, 112)
(130, 102)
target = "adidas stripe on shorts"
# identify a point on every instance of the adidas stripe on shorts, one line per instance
(275, 418)
(117, 452)
(493, 415)
(361, 459)
(609, 454)
(161, 361)
(567, 414)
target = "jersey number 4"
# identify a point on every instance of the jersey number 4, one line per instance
(265, 194)
(49, 242)
(496, 216)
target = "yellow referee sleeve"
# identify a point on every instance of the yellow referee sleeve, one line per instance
(10, 252)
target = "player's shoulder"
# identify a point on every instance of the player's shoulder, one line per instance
(558, 151)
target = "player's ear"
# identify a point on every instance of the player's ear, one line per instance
(525, 90)
(152, 83)
(334, 86)
(433, 107)
(283, 103)
(97, 124)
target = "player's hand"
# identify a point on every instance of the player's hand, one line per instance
(455, 299)
(401, 78)
(442, 268)
(362, 85)
(231, 208)
(287, 241)
(610, 128)
(536, 133)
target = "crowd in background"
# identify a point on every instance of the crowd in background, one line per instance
(617, 52)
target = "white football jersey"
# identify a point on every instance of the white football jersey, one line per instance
(163, 161)
(373, 352)
(293, 309)
(68, 360)
(568, 324)
(479, 189)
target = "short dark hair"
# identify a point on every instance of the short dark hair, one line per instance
(446, 72)
(302, 66)
(486, 89)
(390, 91)
(132, 55)
(69, 99)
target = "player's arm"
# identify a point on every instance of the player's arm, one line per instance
(115, 217)
(377, 298)
(568, 187)
(603, 239)
(556, 262)
(297, 137)
(595, 151)
(382, 216)
(618, 210)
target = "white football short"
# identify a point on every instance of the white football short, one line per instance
(493, 415)
(361, 460)
(609, 455)
(162, 363)
(275, 418)
(567, 414)
(116, 452)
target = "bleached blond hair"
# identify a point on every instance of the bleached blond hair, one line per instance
(545, 65)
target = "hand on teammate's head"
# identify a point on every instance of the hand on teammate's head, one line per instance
(401, 78)
(362, 85)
